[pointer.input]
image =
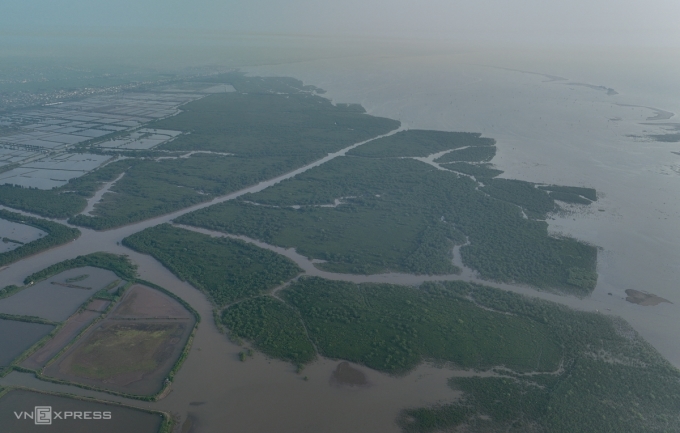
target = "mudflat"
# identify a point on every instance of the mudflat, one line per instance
(645, 299)
(345, 374)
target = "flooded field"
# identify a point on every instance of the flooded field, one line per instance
(53, 130)
(53, 171)
(16, 337)
(142, 139)
(13, 235)
(198, 87)
(59, 296)
(122, 419)
(263, 395)
(68, 332)
(133, 349)
(12, 155)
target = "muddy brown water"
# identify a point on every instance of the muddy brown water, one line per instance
(123, 419)
(262, 395)
(549, 132)
(190, 424)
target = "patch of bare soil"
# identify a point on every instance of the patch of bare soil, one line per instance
(69, 331)
(141, 302)
(98, 305)
(133, 348)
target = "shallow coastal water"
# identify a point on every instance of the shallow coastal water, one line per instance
(547, 132)
(550, 131)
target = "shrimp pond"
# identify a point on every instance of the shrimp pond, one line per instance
(59, 296)
(13, 235)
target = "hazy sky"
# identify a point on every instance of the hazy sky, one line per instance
(599, 22)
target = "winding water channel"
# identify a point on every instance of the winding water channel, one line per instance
(221, 393)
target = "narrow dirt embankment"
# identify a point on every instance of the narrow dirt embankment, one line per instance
(96, 198)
